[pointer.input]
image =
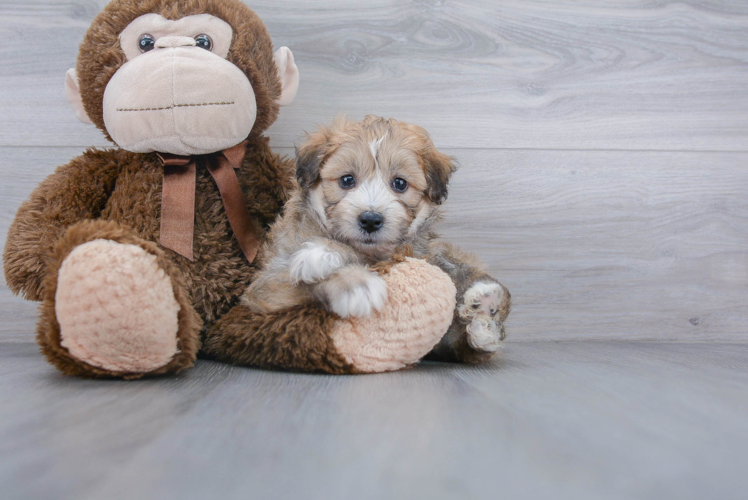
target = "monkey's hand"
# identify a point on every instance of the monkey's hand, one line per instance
(416, 315)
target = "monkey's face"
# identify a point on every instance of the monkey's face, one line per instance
(187, 85)
(177, 93)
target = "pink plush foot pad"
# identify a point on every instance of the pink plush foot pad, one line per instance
(419, 310)
(116, 308)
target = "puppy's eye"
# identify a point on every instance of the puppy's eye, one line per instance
(204, 42)
(399, 185)
(347, 182)
(146, 42)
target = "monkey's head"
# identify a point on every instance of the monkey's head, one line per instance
(184, 77)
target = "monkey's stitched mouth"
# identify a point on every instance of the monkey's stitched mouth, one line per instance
(178, 106)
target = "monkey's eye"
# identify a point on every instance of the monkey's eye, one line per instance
(146, 42)
(399, 185)
(347, 182)
(204, 42)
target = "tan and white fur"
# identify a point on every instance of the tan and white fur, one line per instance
(366, 190)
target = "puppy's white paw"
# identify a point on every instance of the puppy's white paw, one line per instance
(483, 334)
(361, 299)
(313, 263)
(482, 298)
(481, 308)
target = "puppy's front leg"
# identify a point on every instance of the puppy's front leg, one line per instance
(482, 306)
(352, 291)
(346, 289)
(314, 262)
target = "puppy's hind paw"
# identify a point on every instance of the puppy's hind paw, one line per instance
(360, 299)
(489, 299)
(483, 308)
(483, 334)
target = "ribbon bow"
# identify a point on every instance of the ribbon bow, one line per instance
(178, 199)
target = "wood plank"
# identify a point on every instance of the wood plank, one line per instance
(592, 245)
(476, 73)
(649, 246)
(547, 420)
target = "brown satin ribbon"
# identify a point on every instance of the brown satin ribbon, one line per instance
(178, 199)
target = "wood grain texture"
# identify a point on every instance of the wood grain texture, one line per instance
(649, 74)
(547, 421)
(603, 245)
(592, 244)
(548, 106)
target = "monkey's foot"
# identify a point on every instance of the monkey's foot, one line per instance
(418, 312)
(482, 310)
(116, 308)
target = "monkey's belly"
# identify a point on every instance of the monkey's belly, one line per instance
(219, 272)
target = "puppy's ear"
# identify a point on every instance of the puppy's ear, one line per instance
(317, 148)
(309, 157)
(438, 168)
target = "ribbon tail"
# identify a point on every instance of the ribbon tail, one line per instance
(236, 207)
(178, 208)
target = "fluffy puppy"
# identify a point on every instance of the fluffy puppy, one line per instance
(367, 189)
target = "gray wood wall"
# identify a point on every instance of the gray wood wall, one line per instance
(603, 145)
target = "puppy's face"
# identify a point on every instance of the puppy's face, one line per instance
(373, 184)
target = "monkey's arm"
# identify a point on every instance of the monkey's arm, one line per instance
(294, 339)
(311, 338)
(74, 192)
(267, 180)
(482, 306)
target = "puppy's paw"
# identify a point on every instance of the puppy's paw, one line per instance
(483, 334)
(359, 296)
(485, 299)
(313, 263)
(482, 308)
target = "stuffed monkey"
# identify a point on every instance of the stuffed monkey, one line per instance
(139, 253)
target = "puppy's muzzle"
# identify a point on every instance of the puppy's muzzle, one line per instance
(370, 221)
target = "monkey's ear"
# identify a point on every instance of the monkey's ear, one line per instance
(288, 74)
(73, 93)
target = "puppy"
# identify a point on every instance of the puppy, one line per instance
(367, 189)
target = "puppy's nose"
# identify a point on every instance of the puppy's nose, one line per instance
(370, 221)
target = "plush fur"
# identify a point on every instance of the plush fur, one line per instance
(318, 252)
(48, 329)
(115, 196)
(125, 188)
(294, 339)
(99, 285)
(419, 311)
(251, 50)
(308, 338)
(119, 193)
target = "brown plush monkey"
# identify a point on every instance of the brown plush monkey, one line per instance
(139, 254)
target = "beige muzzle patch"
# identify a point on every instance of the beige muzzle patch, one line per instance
(181, 100)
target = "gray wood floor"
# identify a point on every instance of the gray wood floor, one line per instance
(604, 171)
(548, 420)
